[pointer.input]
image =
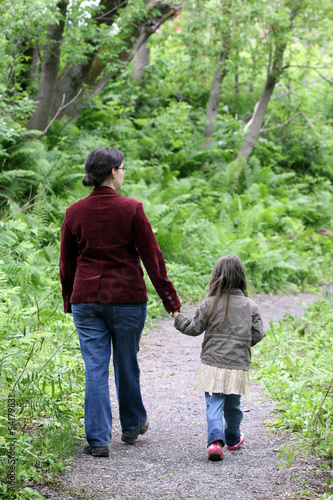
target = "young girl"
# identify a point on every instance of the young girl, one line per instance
(232, 324)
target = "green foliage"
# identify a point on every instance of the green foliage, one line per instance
(41, 380)
(294, 366)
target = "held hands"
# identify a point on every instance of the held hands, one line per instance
(175, 313)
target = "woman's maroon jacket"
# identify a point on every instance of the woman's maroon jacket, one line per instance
(103, 238)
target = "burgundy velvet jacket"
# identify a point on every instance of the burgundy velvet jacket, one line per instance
(103, 238)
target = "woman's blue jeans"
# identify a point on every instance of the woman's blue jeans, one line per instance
(99, 325)
(227, 405)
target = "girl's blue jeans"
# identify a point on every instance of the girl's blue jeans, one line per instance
(99, 325)
(227, 406)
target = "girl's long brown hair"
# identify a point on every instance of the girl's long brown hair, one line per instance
(228, 272)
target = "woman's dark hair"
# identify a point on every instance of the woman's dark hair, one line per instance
(99, 164)
(228, 272)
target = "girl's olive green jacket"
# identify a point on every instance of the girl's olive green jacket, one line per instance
(230, 345)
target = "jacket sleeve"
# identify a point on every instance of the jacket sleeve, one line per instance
(153, 260)
(67, 263)
(258, 329)
(192, 326)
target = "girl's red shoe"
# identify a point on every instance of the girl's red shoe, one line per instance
(215, 452)
(238, 445)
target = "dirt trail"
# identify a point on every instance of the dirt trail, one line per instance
(170, 460)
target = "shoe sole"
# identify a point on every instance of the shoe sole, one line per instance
(100, 454)
(96, 453)
(215, 456)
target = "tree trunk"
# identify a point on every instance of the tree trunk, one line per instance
(257, 119)
(215, 94)
(215, 91)
(260, 109)
(56, 91)
(49, 72)
(141, 60)
(213, 103)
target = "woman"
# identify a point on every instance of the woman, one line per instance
(103, 238)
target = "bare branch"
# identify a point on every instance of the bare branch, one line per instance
(307, 119)
(25, 366)
(286, 93)
(103, 16)
(5, 196)
(62, 107)
(47, 362)
(322, 403)
(266, 122)
(281, 124)
(27, 205)
(57, 350)
(288, 121)
(310, 67)
(5, 187)
(35, 456)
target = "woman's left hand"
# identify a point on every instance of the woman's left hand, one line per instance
(175, 313)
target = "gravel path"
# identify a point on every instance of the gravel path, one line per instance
(170, 460)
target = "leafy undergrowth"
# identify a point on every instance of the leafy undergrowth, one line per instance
(294, 365)
(41, 386)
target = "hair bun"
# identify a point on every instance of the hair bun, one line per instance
(88, 180)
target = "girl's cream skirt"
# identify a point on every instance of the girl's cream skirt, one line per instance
(221, 380)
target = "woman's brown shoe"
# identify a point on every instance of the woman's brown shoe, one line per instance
(133, 437)
(96, 451)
